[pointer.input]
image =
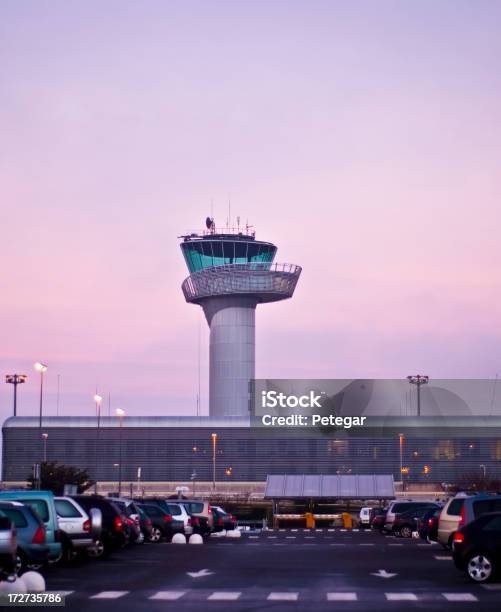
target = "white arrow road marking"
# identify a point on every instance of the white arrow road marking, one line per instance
(200, 574)
(383, 574)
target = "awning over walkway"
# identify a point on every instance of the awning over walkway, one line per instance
(304, 486)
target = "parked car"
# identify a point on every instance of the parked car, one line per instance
(131, 512)
(162, 525)
(114, 532)
(223, 519)
(461, 510)
(407, 522)
(476, 548)
(377, 521)
(145, 523)
(32, 551)
(428, 525)
(191, 524)
(8, 547)
(200, 509)
(365, 516)
(398, 507)
(80, 530)
(41, 502)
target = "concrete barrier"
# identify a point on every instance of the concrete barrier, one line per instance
(196, 538)
(179, 538)
(17, 586)
(35, 582)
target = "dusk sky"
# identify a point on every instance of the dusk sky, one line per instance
(363, 138)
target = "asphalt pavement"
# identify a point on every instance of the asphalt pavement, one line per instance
(280, 570)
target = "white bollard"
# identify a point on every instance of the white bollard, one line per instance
(179, 538)
(196, 538)
(233, 533)
(35, 582)
(18, 586)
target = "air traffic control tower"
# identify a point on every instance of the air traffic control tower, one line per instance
(230, 274)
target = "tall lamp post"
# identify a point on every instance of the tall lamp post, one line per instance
(418, 380)
(120, 414)
(214, 440)
(42, 368)
(98, 399)
(15, 379)
(44, 437)
(401, 445)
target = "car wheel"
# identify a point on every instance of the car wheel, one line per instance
(479, 568)
(406, 531)
(155, 535)
(96, 551)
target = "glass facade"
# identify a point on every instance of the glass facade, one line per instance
(221, 250)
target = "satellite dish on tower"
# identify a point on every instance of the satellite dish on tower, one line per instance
(209, 222)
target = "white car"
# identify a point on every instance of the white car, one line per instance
(80, 531)
(365, 516)
(179, 513)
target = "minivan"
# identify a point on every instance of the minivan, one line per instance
(397, 507)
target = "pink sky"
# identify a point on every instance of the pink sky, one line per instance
(362, 138)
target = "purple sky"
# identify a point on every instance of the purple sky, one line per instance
(363, 138)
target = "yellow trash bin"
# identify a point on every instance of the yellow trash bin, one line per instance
(347, 520)
(310, 520)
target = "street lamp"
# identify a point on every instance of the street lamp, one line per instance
(45, 436)
(120, 414)
(228, 471)
(418, 380)
(401, 445)
(98, 399)
(42, 368)
(15, 379)
(214, 439)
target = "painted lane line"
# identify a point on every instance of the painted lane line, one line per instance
(355, 529)
(442, 558)
(272, 537)
(390, 544)
(277, 544)
(109, 595)
(342, 597)
(224, 596)
(491, 587)
(294, 530)
(309, 537)
(282, 597)
(459, 596)
(343, 530)
(331, 530)
(253, 537)
(290, 537)
(337, 544)
(367, 544)
(401, 596)
(168, 595)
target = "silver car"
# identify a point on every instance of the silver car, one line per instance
(81, 531)
(179, 513)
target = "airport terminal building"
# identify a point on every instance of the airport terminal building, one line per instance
(172, 449)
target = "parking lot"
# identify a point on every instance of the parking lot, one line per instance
(282, 569)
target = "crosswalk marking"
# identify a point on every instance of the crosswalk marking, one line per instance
(459, 596)
(168, 595)
(442, 558)
(282, 596)
(109, 594)
(400, 596)
(341, 597)
(224, 596)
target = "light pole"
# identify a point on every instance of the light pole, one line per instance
(15, 379)
(418, 380)
(42, 368)
(401, 444)
(214, 439)
(98, 399)
(44, 437)
(120, 414)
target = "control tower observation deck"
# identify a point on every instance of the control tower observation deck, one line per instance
(230, 274)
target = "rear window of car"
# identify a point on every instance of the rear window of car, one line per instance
(39, 506)
(486, 505)
(455, 506)
(153, 511)
(493, 525)
(16, 517)
(196, 507)
(66, 509)
(175, 510)
(108, 510)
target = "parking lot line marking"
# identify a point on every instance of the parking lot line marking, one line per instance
(343, 530)
(459, 596)
(294, 529)
(401, 596)
(331, 530)
(278, 544)
(367, 544)
(272, 537)
(442, 558)
(491, 587)
(337, 544)
(318, 529)
(282, 596)
(254, 544)
(109, 594)
(254, 537)
(309, 537)
(224, 596)
(341, 597)
(290, 537)
(168, 595)
(355, 529)
(393, 544)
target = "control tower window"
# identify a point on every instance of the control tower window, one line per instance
(208, 253)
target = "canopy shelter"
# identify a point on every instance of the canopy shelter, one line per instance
(329, 486)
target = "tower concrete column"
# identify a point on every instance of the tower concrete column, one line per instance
(231, 353)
